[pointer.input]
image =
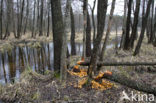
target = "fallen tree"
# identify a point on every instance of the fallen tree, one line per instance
(134, 84)
(86, 63)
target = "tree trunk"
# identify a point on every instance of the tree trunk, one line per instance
(64, 44)
(58, 31)
(137, 49)
(48, 8)
(151, 39)
(7, 32)
(41, 19)
(34, 13)
(108, 30)
(88, 37)
(1, 21)
(72, 38)
(85, 9)
(93, 21)
(102, 10)
(128, 23)
(134, 84)
(154, 30)
(135, 24)
(27, 13)
(19, 29)
(87, 63)
(124, 26)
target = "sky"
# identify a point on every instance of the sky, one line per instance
(119, 7)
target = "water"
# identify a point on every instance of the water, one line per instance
(13, 63)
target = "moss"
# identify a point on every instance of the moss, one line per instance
(56, 75)
(36, 96)
(123, 72)
(36, 45)
(66, 98)
(47, 72)
(6, 47)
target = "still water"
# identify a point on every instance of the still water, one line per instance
(13, 63)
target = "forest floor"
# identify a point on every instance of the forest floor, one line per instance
(34, 87)
(37, 88)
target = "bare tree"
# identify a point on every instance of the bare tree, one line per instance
(102, 10)
(41, 19)
(127, 39)
(88, 36)
(124, 26)
(1, 20)
(144, 23)
(85, 9)
(64, 46)
(135, 24)
(72, 38)
(108, 30)
(58, 31)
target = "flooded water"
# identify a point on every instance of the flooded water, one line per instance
(13, 63)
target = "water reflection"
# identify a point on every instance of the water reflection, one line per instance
(13, 63)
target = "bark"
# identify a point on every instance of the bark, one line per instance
(101, 15)
(108, 30)
(58, 31)
(128, 23)
(7, 31)
(93, 21)
(27, 13)
(1, 20)
(64, 46)
(154, 30)
(151, 39)
(88, 37)
(85, 9)
(19, 29)
(41, 19)
(135, 24)
(87, 63)
(137, 49)
(124, 26)
(134, 84)
(72, 38)
(34, 16)
(48, 8)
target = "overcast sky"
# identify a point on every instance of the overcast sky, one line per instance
(118, 9)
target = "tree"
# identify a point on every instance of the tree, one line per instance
(144, 23)
(101, 15)
(127, 39)
(58, 31)
(135, 24)
(19, 28)
(151, 37)
(1, 20)
(124, 26)
(27, 15)
(41, 19)
(93, 20)
(48, 10)
(34, 16)
(64, 44)
(108, 30)
(88, 37)
(154, 29)
(72, 38)
(85, 9)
